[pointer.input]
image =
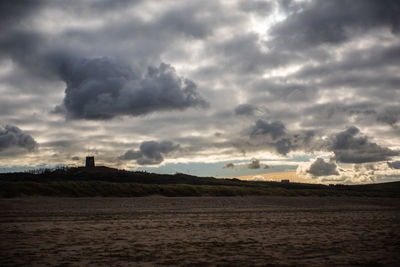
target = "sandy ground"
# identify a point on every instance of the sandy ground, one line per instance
(225, 231)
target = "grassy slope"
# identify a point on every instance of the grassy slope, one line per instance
(107, 189)
(103, 181)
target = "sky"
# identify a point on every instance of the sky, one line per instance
(223, 88)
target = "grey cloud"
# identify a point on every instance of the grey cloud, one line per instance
(75, 158)
(348, 146)
(59, 143)
(337, 113)
(394, 164)
(22, 46)
(274, 129)
(150, 152)
(274, 136)
(105, 5)
(254, 164)
(229, 165)
(290, 6)
(245, 109)
(334, 22)
(147, 40)
(259, 7)
(351, 147)
(12, 137)
(354, 60)
(284, 91)
(321, 168)
(186, 21)
(102, 89)
(13, 12)
(244, 54)
(390, 115)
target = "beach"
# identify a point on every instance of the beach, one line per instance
(199, 231)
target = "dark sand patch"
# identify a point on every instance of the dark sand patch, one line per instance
(241, 231)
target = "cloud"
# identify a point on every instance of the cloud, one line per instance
(254, 164)
(351, 147)
(321, 66)
(150, 152)
(348, 146)
(334, 22)
(274, 129)
(245, 109)
(390, 115)
(321, 168)
(11, 137)
(102, 89)
(394, 164)
(13, 12)
(229, 165)
(273, 136)
(262, 8)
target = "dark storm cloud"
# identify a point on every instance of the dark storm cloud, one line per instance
(12, 137)
(394, 164)
(150, 152)
(14, 12)
(22, 46)
(350, 146)
(254, 164)
(334, 22)
(321, 168)
(102, 89)
(245, 109)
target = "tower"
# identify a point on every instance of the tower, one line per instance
(89, 162)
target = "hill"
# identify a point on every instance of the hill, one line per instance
(105, 181)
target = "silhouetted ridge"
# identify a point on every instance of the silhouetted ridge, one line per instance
(105, 181)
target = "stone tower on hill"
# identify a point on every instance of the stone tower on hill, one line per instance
(89, 162)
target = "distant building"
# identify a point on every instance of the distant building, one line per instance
(89, 162)
(285, 181)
